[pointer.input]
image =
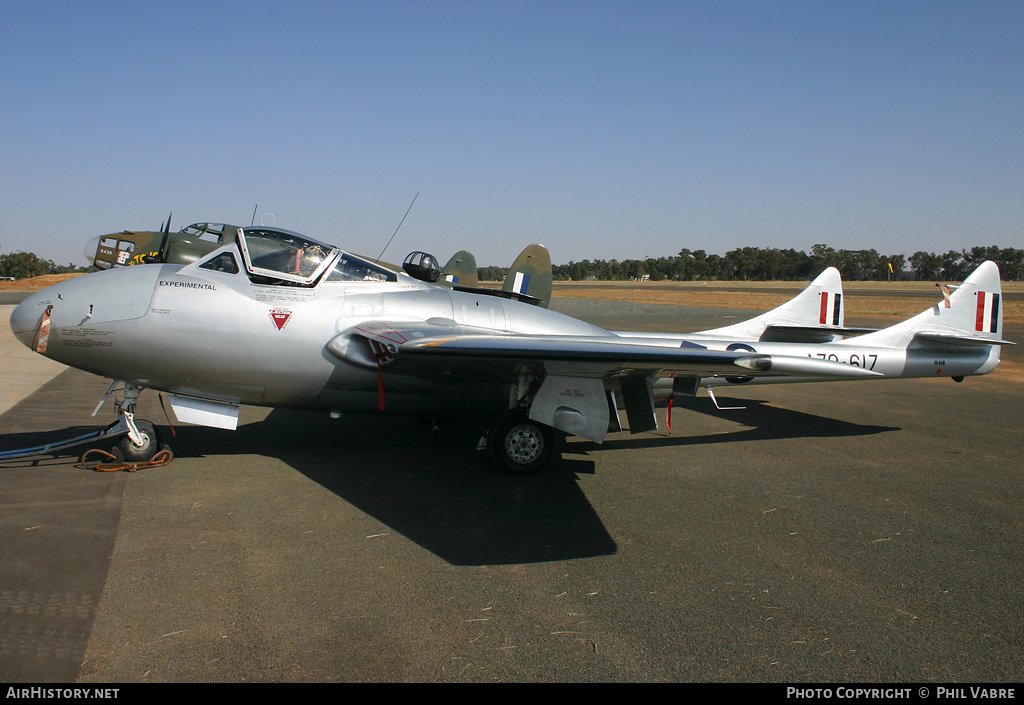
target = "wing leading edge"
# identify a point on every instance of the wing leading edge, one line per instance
(608, 358)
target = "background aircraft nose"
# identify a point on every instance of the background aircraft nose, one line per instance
(90, 249)
(25, 319)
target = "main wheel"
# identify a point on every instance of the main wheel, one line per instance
(520, 445)
(150, 444)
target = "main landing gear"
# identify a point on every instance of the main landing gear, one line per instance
(519, 445)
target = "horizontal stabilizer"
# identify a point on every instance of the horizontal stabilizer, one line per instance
(792, 333)
(959, 340)
(500, 293)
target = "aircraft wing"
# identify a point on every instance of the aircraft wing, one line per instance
(593, 356)
(579, 375)
(583, 376)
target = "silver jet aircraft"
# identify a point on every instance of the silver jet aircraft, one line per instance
(278, 319)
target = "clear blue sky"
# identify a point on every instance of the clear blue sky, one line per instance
(601, 129)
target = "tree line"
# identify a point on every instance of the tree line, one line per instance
(741, 264)
(22, 265)
(767, 264)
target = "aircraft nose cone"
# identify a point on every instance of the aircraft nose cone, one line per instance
(25, 319)
(90, 249)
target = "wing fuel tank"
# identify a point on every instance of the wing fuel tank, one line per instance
(798, 366)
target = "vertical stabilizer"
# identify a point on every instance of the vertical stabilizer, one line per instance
(461, 270)
(530, 276)
(816, 314)
(972, 315)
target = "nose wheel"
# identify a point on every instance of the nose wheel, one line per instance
(146, 446)
(141, 442)
(519, 445)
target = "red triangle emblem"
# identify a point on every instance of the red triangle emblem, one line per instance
(280, 317)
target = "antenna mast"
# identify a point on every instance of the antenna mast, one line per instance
(399, 225)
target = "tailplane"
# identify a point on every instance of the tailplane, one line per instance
(461, 270)
(815, 315)
(530, 277)
(969, 315)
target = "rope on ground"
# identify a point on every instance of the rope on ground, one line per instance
(112, 463)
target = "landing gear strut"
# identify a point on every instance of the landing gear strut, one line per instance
(139, 444)
(519, 445)
(149, 443)
(142, 441)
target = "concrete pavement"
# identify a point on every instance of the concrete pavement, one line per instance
(21, 370)
(840, 532)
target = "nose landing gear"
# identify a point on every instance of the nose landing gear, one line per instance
(141, 442)
(139, 447)
(138, 443)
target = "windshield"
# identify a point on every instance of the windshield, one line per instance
(283, 255)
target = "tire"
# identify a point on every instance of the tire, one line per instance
(149, 448)
(520, 445)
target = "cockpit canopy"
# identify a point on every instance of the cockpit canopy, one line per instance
(422, 266)
(209, 232)
(282, 256)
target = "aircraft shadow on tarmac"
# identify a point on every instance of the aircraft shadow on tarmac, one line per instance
(431, 486)
(434, 488)
(762, 421)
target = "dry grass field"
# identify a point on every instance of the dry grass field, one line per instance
(863, 298)
(35, 283)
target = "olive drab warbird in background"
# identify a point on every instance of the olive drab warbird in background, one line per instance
(461, 270)
(529, 279)
(131, 247)
(274, 318)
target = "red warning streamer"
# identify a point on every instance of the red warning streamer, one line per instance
(381, 353)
